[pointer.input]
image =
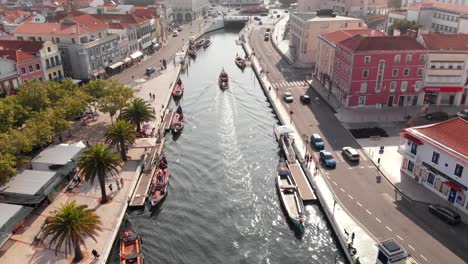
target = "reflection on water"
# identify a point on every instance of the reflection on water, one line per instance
(222, 205)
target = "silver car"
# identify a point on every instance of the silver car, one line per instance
(350, 153)
(287, 96)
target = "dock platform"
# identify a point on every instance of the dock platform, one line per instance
(167, 119)
(144, 183)
(306, 192)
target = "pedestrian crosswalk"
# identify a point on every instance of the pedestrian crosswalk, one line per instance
(285, 84)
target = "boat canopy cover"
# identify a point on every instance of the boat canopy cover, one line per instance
(282, 168)
(179, 110)
(283, 130)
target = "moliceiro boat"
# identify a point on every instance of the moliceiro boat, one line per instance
(289, 196)
(223, 80)
(207, 43)
(130, 248)
(178, 121)
(200, 43)
(240, 62)
(178, 90)
(159, 183)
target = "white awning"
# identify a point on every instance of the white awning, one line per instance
(127, 60)
(116, 65)
(136, 54)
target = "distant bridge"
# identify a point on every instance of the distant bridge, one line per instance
(235, 19)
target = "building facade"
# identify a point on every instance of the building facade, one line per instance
(28, 66)
(326, 51)
(436, 156)
(8, 77)
(85, 44)
(439, 17)
(391, 16)
(189, 10)
(305, 28)
(379, 71)
(357, 8)
(446, 78)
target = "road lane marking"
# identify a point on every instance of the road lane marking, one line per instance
(342, 190)
(328, 177)
(411, 247)
(389, 229)
(362, 154)
(368, 212)
(358, 203)
(378, 220)
(371, 166)
(335, 183)
(399, 237)
(361, 167)
(340, 157)
(350, 168)
(350, 197)
(423, 257)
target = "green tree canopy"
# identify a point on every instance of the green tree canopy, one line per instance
(120, 134)
(116, 97)
(404, 25)
(137, 112)
(68, 226)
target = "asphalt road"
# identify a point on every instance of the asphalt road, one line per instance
(375, 205)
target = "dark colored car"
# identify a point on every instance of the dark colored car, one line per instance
(260, 22)
(266, 38)
(268, 30)
(278, 16)
(445, 213)
(305, 98)
(437, 116)
(150, 71)
(317, 141)
(327, 159)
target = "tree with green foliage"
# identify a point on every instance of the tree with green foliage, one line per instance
(33, 95)
(7, 167)
(403, 26)
(99, 162)
(137, 112)
(115, 99)
(68, 226)
(120, 134)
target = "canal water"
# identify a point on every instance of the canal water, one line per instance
(222, 205)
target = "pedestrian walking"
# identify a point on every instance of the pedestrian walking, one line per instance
(164, 63)
(154, 97)
(150, 96)
(95, 254)
(352, 238)
(315, 170)
(121, 182)
(60, 138)
(117, 183)
(110, 187)
(269, 88)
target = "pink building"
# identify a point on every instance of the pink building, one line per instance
(379, 71)
(28, 66)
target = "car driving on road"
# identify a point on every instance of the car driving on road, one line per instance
(350, 153)
(287, 96)
(327, 159)
(317, 141)
(445, 213)
(305, 99)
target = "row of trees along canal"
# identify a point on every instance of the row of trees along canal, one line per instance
(42, 111)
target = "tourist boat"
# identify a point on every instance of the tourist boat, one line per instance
(177, 121)
(223, 80)
(130, 248)
(240, 62)
(159, 183)
(289, 196)
(207, 43)
(178, 90)
(200, 43)
(192, 53)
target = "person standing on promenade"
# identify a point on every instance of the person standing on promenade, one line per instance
(95, 254)
(117, 183)
(121, 182)
(110, 187)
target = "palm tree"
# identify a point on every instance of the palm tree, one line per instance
(69, 225)
(138, 112)
(99, 161)
(119, 134)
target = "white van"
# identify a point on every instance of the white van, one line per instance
(175, 33)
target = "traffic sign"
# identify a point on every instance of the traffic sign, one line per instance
(381, 150)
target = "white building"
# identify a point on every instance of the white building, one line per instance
(436, 156)
(359, 8)
(406, 3)
(188, 10)
(440, 17)
(305, 28)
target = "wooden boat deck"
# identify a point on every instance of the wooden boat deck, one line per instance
(167, 119)
(289, 199)
(144, 183)
(306, 192)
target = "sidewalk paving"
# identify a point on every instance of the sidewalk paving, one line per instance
(363, 242)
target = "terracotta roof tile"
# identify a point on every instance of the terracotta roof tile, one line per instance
(383, 43)
(68, 26)
(452, 134)
(340, 35)
(445, 41)
(23, 45)
(16, 55)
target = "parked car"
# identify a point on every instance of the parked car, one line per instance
(286, 11)
(150, 71)
(175, 33)
(266, 38)
(278, 16)
(268, 30)
(275, 12)
(287, 96)
(180, 28)
(350, 153)
(260, 22)
(263, 14)
(238, 8)
(257, 18)
(305, 98)
(463, 114)
(445, 213)
(437, 116)
(327, 159)
(317, 141)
